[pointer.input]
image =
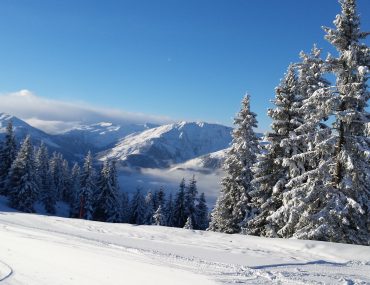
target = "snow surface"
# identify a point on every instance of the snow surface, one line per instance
(38, 250)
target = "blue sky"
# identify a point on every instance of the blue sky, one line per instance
(190, 59)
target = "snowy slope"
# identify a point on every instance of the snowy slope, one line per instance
(22, 129)
(54, 143)
(75, 143)
(168, 144)
(103, 134)
(42, 250)
(205, 164)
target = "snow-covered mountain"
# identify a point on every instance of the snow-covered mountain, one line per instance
(102, 135)
(169, 144)
(22, 129)
(96, 137)
(74, 143)
(206, 163)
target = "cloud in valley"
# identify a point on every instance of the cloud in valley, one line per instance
(54, 116)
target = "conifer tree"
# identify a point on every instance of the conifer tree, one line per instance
(47, 194)
(22, 181)
(149, 208)
(75, 191)
(67, 194)
(179, 217)
(232, 206)
(158, 217)
(56, 172)
(88, 187)
(169, 211)
(308, 169)
(190, 196)
(161, 198)
(8, 152)
(107, 205)
(201, 211)
(330, 201)
(189, 224)
(270, 173)
(351, 177)
(125, 207)
(137, 208)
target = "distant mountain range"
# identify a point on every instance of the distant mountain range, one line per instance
(167, 145)
(134, 145)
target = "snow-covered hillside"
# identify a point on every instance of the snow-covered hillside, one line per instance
(169, 144)
(75, 143)
(103, 134)
(206, 163)
(22, 129)
(43, 250)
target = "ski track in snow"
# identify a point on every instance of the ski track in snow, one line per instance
(5, 271)
(316, 271)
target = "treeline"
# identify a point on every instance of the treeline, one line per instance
(312, 179)
(29, 175)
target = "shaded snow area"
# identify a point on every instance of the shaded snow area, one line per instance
(38, 250)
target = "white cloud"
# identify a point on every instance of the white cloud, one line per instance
(55, 116)
(51, 127)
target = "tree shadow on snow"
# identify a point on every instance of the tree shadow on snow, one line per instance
(315, 262)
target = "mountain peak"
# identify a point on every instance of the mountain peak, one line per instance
(168, 144)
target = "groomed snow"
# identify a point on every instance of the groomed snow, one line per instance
(38, 250)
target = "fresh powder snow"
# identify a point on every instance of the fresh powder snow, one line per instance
(44, 250)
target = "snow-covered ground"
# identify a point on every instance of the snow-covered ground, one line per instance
(38, 250)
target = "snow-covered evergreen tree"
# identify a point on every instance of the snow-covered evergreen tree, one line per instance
(125, 208)
(169, 210)
(232, 206)
(308, 168)
(330, 201)
(352, 149)
(67, 194)
(270, 174)
(190, 196)
(149, 208)
(56, 172)
(158, 217)
(179, 217)
(161, 198)
(88, 188)
(75, 191)
(137, 208)
(8, 152)
(189, 224)
(47, 193)
(201, 211)
(22, 181)
(107, 205)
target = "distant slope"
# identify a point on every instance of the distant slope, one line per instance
(206, 163)
(22, 129)
(97, 137)
(102, 135)
(165, 145)
(75, 143)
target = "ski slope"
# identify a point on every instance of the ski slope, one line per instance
(38, 250)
